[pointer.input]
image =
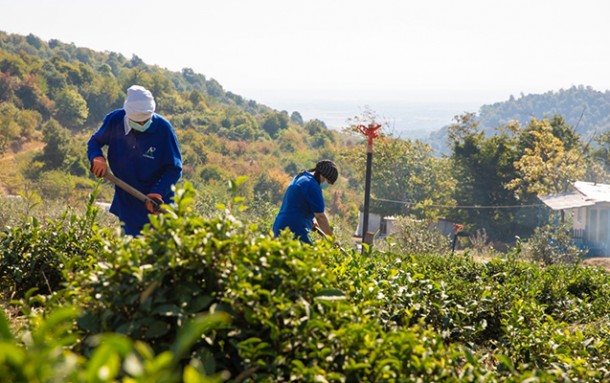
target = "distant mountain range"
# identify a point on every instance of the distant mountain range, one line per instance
(586, 109)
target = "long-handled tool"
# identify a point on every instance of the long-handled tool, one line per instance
(336, 244)
(156, 203)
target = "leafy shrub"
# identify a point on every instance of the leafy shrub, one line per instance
(314, 313)
(48, 357)
(413, 236)
(39, 255)
(551, 245)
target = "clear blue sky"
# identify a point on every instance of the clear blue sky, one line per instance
(433, 50)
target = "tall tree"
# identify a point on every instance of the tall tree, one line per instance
(57, 148)
(407, 178)
(72, 108)
(483, 167)
(546, 166)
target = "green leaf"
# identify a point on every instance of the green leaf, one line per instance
(193, 329)
(169, 310)
(5, 329)
(104, 364)
(156, 329)
(89, 323)
(505, 363)
(200, 303)
(330, 295)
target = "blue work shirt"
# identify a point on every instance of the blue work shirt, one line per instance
(150, 161)
(303, 199)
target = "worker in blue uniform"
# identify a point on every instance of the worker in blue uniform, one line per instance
(303, 202)
(143, 151)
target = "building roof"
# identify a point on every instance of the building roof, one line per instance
(595, 191)
(566, 201)
(586, 194)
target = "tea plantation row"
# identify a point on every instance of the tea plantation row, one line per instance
(213, 300)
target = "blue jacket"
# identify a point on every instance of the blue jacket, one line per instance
(149, 161)
(303, 198)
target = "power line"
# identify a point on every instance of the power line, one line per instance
(462, 206)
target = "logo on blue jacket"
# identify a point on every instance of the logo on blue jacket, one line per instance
(150, 153)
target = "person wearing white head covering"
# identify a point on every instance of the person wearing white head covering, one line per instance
(140, 104)
(143, 151)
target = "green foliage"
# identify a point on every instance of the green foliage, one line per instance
(413, 236)
(274, 123)
(290, 311)
(57, 148)
(547, 165)
(484, 167)
(406, 176)
(43, 255)
(580, 105)
(10, 126)
(47, 355)
(72, 108)
(552, 244)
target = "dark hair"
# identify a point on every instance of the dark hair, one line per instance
(327, 169)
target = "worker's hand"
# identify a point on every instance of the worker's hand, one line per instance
(99, 166)
(150, 206)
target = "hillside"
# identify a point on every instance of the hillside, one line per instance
(585, 109)
(53, 92)
(582, 107)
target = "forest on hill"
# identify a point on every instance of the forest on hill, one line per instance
(582, 107)
(58, 94)
(586, 109)
(53, 96)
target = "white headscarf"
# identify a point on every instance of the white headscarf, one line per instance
(140, 104)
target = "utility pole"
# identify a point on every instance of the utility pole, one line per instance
(370, 132)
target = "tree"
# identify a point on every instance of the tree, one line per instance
(274, 122)
(195, 97)
(406, 178)
(103, 95)
(194, 79)
(546, 166)
(296, 118)
(315, 126)
(72, 108)
(269, 187)
(57, 148)
(9, 129)
(34, 41)
(483, 167)
(214, 88)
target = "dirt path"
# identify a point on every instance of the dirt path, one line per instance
(603, 262)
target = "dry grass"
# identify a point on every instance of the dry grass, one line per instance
(603, 262)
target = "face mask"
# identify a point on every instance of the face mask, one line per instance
(138, 127)
(323, 185)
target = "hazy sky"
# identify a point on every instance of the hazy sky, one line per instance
(428, 50)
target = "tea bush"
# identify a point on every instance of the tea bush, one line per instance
(39, 254)
(46, 353)
(295, 312)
